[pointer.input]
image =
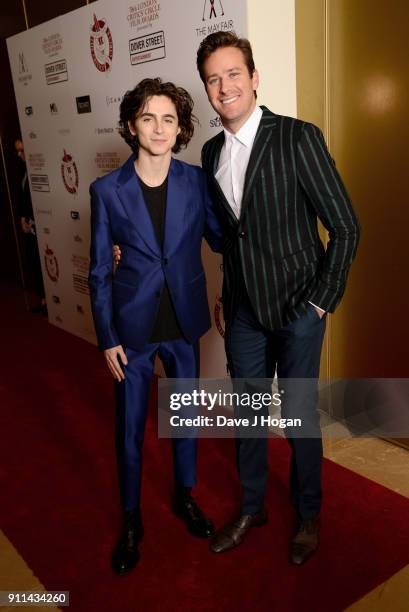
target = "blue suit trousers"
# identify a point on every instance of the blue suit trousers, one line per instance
(180, 360)
(294, 352)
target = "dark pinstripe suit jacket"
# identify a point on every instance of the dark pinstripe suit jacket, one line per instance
(274, 249)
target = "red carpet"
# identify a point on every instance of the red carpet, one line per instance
(60, 507)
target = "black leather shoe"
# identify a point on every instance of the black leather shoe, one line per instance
(233, 534)
(126, 554)
(185, 508)
(305, 542)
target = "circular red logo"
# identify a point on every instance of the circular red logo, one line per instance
(101, 45)
(69, 173)
(51, 264)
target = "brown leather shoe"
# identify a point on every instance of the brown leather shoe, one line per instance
(305, 541)
(233, 535)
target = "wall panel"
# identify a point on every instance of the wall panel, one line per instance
(369, 102)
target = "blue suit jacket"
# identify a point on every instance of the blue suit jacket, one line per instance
(125, 303)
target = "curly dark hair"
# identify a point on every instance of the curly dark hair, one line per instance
(217, 40)
(134, 102)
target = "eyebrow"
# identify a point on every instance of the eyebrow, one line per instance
(153, 115)
(228, 70)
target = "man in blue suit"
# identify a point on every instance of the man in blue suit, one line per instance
(155, 303)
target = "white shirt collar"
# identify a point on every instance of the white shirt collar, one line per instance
(247, 132)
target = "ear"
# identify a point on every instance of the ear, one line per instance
(179, 130)
(131, 128)
(256, 80)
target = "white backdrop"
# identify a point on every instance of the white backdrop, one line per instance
(69, 76)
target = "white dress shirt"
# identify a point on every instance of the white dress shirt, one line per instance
(234, 159)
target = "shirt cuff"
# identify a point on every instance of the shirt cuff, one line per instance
(315, 305)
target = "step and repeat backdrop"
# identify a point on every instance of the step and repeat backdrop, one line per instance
(69, 77)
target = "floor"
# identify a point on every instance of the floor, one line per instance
(373, 458)
(388, 465)
(376, 459)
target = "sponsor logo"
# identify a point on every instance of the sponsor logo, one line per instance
(80, 283)
(28, 111)
(216, 122)
(147, 48)
(56, 299)
(75, 215)
(143, 14)
(40, 182)
(36, 162)
(22, 64)
(53, 108)
(51, 264)
(52, 44)
(32, 135)
(56, 72)
(23, 70)
(103, 131)
(209, 9)
(107, 161)
(83, 104)
(80, 274)
(44, 211)
(113, 100)
(213, 9)
(217, 315)
(101, 45)
(69, 173)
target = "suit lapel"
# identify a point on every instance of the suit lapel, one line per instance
(215, 151)
(214, 156)
(175, 206)
(130, 194)
(263, 136)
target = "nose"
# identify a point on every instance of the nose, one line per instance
(223, 85)
(158, 126)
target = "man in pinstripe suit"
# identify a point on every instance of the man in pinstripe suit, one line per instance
(272, 179)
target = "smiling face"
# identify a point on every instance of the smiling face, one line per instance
(229, 86)
(156, 127)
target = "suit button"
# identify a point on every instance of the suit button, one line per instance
(242, 234)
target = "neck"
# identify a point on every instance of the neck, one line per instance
(236, 124)
(152, 169)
